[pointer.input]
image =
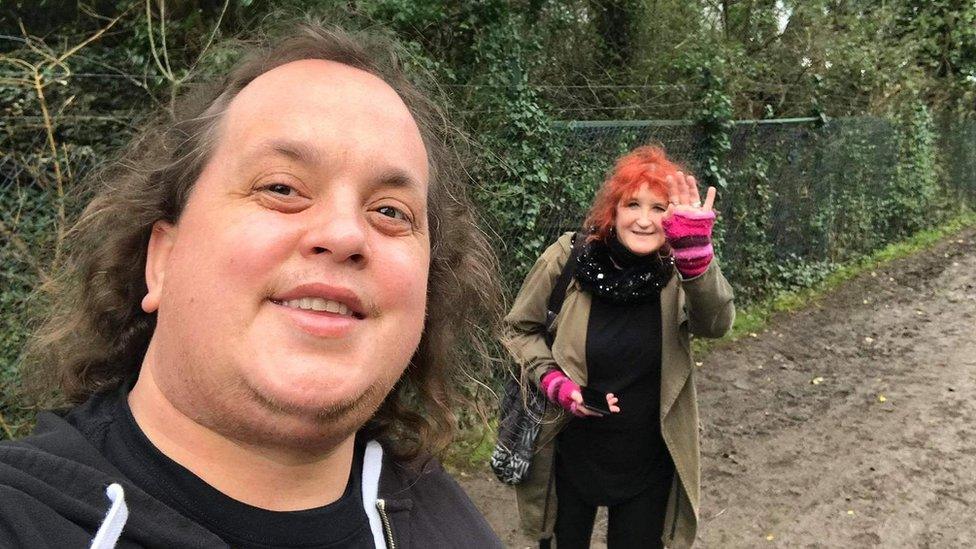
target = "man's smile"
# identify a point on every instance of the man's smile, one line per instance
(317, 304)
(321, 297)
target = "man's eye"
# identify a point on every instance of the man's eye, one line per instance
(395, 213)
(282, 189)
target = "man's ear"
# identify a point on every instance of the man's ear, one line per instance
(157, 255)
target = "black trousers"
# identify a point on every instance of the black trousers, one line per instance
(634, 523)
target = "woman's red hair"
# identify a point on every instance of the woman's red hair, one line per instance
(647, 165)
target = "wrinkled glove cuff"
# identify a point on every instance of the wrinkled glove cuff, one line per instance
(690, 236)
(559, 389)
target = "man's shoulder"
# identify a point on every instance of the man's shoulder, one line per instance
(52, 495)
(416, 477)
(57, 460)
(72, 434)
(53, 441)
(27, 520)
(440, 512)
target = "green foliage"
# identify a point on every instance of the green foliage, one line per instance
(893, 85)
(747, 222)
(513, 141)
(912, 205)
(472, 449)
(714, 118)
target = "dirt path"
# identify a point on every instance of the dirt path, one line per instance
(849, 424)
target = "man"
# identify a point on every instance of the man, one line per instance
(246, 292)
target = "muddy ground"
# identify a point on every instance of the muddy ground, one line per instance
(851, 423)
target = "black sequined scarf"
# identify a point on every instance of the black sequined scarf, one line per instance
(610, 271)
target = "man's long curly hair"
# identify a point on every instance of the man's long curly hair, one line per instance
(95, 333)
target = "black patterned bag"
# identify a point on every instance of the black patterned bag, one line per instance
(518, 427)
(520, 414)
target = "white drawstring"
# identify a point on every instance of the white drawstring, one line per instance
(111, 529)
(372, 465)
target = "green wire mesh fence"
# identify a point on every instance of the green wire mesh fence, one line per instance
(800, 196)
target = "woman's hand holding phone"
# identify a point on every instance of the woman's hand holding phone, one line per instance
(583, 409)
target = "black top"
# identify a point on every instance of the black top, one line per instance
(342, 523)
(53, 494)
(612, 458)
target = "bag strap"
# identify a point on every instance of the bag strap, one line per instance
(558, 294)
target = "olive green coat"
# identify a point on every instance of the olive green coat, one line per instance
(702, 306)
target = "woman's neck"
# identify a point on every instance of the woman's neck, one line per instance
(623, 258)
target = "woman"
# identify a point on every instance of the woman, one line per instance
(645, 280)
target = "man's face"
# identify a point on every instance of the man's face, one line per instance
(291, 293)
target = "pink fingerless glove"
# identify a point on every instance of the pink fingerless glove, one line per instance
(559, 389)
(690, 236)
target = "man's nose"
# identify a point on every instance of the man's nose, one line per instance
(338, 232)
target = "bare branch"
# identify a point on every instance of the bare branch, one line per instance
(32, 43)
(38, 82)
(131, 78)
(152, 43)
(19, 62)
(210, 40)
(53, 145)
(162, 32)
(21, 82)
(91, 38)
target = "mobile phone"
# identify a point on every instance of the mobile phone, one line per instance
(595, 401)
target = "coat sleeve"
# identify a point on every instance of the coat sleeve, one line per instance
(525, 324)
(709, 303)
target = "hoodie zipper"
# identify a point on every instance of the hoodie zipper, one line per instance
(387, 528)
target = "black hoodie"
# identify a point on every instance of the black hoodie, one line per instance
(58, 491)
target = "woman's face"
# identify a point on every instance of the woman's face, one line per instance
(638, 221)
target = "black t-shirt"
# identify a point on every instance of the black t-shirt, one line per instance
(612, 458)
(342, 523)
